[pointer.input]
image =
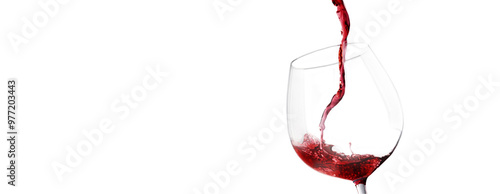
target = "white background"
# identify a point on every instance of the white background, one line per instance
(226, 76)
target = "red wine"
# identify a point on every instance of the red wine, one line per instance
(354, 167)
(345, 22)
(320, 156)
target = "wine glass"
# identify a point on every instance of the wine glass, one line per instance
(362, 131)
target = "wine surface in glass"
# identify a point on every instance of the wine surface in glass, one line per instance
(354, 167)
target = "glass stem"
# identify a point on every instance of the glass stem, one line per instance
(361, 188)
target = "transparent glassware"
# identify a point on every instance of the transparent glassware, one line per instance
(368, 120)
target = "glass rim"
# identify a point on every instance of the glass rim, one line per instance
(349, 55)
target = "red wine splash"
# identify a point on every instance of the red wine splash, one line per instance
(345, 22)
(353, 167)
(320, 156)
